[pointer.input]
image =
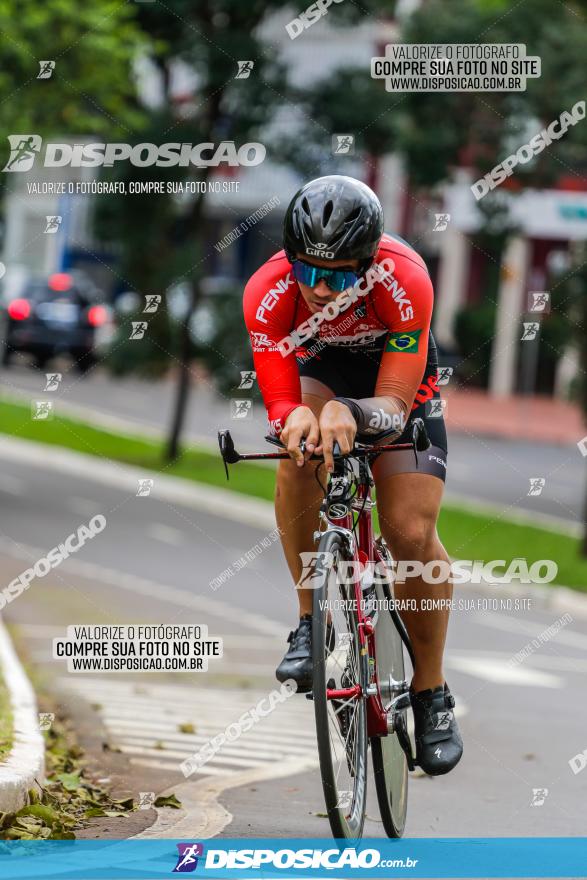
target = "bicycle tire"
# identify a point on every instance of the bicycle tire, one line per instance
(390, 766)
(344, 825)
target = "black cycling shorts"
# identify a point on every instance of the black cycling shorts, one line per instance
(352, 372)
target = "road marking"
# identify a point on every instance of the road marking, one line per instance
(166, 534)
(144, 587)
(143, 721)
(253, 512)
(553, 662)
(499, 671)
(512, 624)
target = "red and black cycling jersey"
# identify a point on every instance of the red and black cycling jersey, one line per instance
(393, 317)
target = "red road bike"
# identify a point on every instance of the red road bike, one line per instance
(359, 691)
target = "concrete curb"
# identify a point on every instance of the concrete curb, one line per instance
(254, 512)
(24, 768)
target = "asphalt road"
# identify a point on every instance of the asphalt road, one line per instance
(153, 564)
(481, 468)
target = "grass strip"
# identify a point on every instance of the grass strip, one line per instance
(466, 535)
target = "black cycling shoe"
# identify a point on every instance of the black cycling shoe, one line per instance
(297, 663)
(439, 746)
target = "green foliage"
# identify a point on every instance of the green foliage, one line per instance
(6, 720)
(68, 796)
(556, 330)
(148, 357)
(437, 131)
(571, 293)
(465, 534)
(91, 90)
(227, 350)
(474, 332)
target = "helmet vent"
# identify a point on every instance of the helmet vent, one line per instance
(327, 213)
(306, 207)
(353, 216)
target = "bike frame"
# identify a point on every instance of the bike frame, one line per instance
(360, 551)
(364, 552)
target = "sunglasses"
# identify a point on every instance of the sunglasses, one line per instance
(336, 279)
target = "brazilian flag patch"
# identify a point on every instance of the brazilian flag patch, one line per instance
(406, 342)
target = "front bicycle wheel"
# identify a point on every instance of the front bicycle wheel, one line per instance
(338, 687)
(390, 766)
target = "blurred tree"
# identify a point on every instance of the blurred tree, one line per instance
(437, 132)
(163, 238)
(571, 285)
(91, 90)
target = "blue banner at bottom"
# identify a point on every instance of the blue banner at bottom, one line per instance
(504, 857)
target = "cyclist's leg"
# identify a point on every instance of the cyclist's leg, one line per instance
(408, 505)
(298, 497)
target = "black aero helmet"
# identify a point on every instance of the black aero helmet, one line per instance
(334, 218)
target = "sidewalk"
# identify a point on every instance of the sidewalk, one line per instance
(538, 419)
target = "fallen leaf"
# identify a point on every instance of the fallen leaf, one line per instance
(169, 801)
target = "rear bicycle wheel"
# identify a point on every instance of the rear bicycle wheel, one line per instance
(390, 766)
(341, 718)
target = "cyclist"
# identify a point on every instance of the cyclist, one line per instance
(367, 366)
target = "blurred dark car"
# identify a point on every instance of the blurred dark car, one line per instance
(53, 316)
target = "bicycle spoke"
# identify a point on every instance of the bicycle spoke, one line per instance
(345, 703)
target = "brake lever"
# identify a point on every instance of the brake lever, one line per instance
(227, 450)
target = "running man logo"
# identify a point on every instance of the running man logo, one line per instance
(343, 144)
(441, 222)
(42, 410)
(539, 301)
(24, 148)
(537, 484)
(443, 720)
(46, 719)
(406, 342)
(530, 331)
(53, 223)
(247, 379)
(46, 69)
(539, 795)
(138, 329)
(312, 577)
(187, 860)
(144, 489)
(241, 409)
(146, 800)
(53, 381)
(244, 69)
(152, 302)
